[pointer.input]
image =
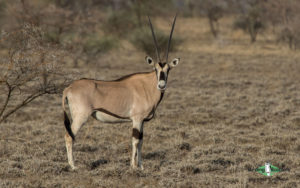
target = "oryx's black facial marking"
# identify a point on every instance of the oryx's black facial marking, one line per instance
(162, 76)
(162, 64)
(168, 70)
(162, 70)
(137, 134)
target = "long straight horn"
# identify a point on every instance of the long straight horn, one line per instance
(155, 42)
(169, 42)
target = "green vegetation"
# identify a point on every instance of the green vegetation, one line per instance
(251, 21)
(142, 39)
(94, 45)
(120, 23)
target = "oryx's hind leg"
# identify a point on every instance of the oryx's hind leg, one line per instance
(77, 123)
(137, 142)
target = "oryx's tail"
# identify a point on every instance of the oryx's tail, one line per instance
(66, 118)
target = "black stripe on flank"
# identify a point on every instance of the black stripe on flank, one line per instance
(137, 134)
(110, 113)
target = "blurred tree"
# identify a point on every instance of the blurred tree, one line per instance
(212, 9)
(285, 15)
(214, 13)
(250, 17)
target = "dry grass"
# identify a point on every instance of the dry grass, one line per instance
(229, 108)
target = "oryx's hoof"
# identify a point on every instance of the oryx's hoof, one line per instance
(133, 166)
(136, 167)
(141, 167)
(74, 168)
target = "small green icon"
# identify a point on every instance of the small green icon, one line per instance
(268, 169)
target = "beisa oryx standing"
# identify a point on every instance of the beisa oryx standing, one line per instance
(133, 98)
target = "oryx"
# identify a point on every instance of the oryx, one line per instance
(133, 98)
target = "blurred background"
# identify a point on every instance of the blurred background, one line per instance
(91, 28)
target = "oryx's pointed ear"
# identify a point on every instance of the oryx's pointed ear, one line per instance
(149, 60)
(174, 62)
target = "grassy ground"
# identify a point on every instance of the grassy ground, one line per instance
(229, 108)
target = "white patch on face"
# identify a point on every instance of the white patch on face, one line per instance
(161, 85)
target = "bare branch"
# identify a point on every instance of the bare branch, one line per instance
(24, 103)
(7, 98)
(31, 67)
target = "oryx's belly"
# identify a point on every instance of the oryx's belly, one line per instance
(108, 118)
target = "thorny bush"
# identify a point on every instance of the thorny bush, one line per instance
(29, 68)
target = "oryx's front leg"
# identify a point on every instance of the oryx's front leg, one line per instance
(137, 141)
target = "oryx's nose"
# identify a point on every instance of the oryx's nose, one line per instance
(162, 87)
(161, 84)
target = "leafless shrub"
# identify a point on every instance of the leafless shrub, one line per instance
(61, 24)
(54, 21)
(29, 68)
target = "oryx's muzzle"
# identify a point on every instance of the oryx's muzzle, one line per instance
(162, 85)
(162, 78)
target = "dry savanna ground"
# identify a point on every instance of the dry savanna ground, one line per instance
(230, 107)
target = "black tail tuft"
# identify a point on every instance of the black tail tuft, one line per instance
(68, 126)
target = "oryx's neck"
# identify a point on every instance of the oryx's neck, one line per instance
(148, 85)
(157, 95)
(151, 96)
